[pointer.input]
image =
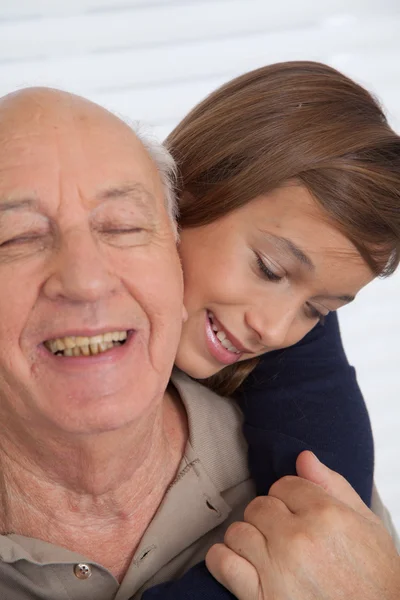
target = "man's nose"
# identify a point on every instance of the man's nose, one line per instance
(80, 271)
(271, 324)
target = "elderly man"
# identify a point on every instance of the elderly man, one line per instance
(89, 447)
(111, 479)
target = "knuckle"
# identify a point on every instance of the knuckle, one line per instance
(240, 536)
(235, 532)
(283, 483)
(301, 544)
(329, 514)
(261, 507)
(221, 563)
(256, 506)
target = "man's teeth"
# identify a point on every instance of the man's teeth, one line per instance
(221, 335)
(86, 346)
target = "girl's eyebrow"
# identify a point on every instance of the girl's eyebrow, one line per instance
(347, 298)
(294, 250)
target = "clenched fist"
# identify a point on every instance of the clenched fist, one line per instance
(311, 538)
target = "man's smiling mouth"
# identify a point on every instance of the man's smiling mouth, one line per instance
(86, 346)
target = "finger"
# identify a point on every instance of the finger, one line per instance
(299, 495)
(273, 508)
(233, 572)
(271, 517)
(310, 468)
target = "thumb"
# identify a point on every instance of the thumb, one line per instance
(309, 467)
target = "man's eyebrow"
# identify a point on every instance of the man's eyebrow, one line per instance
(133, 190)
(22, 203)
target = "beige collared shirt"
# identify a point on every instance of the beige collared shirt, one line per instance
(210, 491)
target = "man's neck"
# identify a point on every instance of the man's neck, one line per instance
(81, 495)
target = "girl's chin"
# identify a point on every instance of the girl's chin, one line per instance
(195, 367)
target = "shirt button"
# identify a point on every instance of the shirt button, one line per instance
(82, 571)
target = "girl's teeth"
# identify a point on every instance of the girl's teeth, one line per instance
(226, 344)
(221, 335)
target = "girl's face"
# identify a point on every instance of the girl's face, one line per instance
(260, 278)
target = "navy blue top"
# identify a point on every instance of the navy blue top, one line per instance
(302, 398)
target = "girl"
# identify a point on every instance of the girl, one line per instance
(289, 203)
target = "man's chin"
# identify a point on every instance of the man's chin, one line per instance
(87, 415)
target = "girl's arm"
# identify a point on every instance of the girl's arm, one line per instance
(307, 397)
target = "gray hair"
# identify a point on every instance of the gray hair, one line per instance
(166, 167)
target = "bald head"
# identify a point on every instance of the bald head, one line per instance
(40, 107)
(38, 112)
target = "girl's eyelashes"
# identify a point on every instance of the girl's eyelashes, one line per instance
(266, 271)
(316, 314)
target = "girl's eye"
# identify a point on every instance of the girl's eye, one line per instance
(266, 272)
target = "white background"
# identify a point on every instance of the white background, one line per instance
(153, 60)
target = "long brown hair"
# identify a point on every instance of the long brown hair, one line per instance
(294, 120)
